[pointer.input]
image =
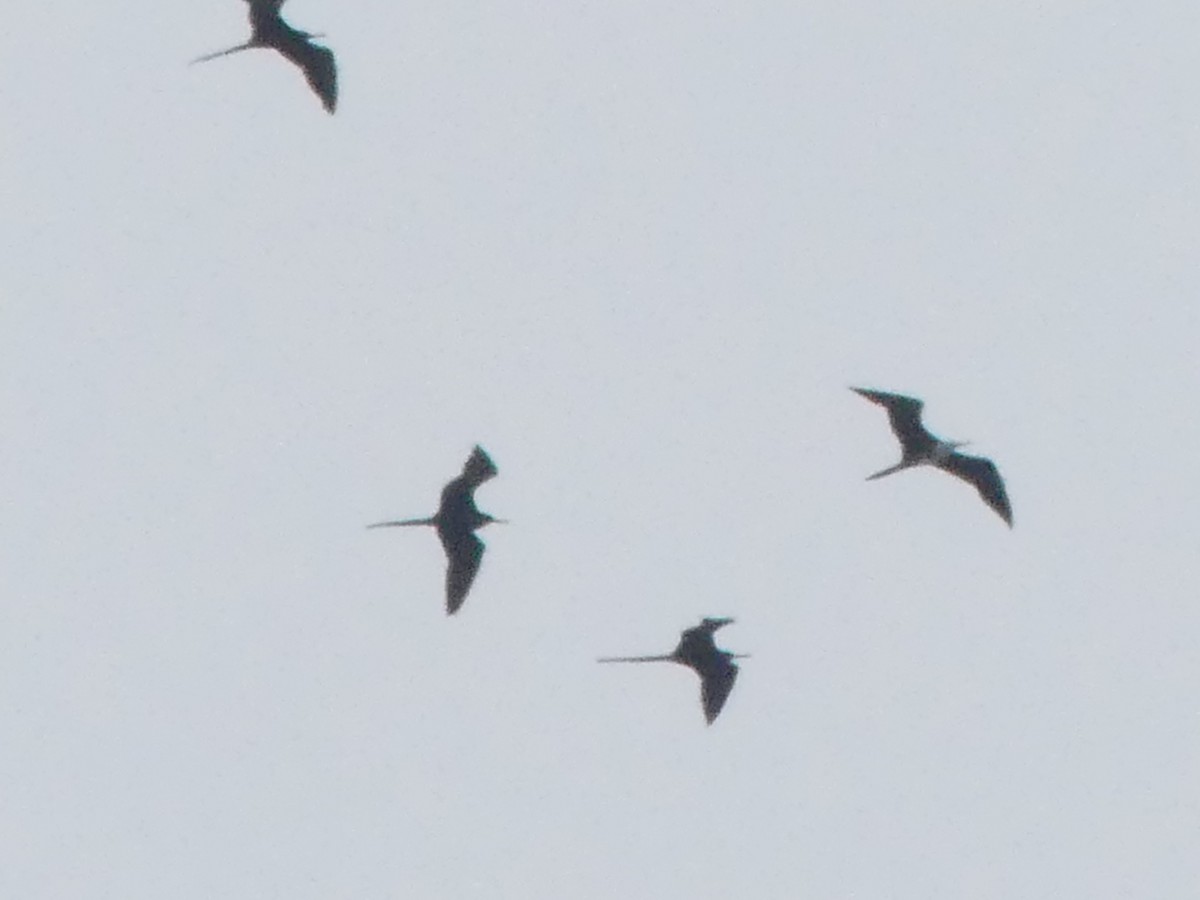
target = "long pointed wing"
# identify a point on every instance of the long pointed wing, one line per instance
(715, 684)
(985, 476)
(904, 415)
(464, 553)
(712, 623)
(478, 468)
(459, 493)
(319, 68)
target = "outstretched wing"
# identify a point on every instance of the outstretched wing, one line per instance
(985, 476)
(478, 468)
(458, 495)
(904, 414)
(319, 68)
(715, 684)
(464, 553)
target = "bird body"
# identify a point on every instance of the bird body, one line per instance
(698, 651)
(919, 447)
(267, 29)
(456, 521)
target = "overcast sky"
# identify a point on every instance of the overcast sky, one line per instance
(638, 251)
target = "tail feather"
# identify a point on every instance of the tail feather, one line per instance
(888, 471)
(404, 522)
(612, 659)
(207, 57)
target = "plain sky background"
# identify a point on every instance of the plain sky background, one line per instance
(638, 251)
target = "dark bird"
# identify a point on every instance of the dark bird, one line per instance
(919, 447)
(697, 651)
(456, 522)
(267, 29)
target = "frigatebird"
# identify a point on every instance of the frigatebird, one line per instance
(699, 652)
(267, 29)
(919, 447)
(456, 521)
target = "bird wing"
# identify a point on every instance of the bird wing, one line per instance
(464, 553)
(985, 476)
(716, 681)
(459, 493)
(904, 414)
(478, 468)
(319, 68)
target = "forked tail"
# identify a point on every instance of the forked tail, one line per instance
(608, 659)
(207, 57)
(404, 522)
(888, 471)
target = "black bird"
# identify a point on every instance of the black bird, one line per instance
(697, 651)
(920, 447)
(456, 522)
(269, 30)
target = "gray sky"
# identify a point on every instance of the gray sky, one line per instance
(638, 251)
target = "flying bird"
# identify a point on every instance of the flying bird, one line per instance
(697, 651)
(267, 29)
(919, 447)
(456, 521)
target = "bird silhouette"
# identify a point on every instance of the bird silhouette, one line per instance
(267, 29)
(919, 447)
(698, 651)
(456, 521)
